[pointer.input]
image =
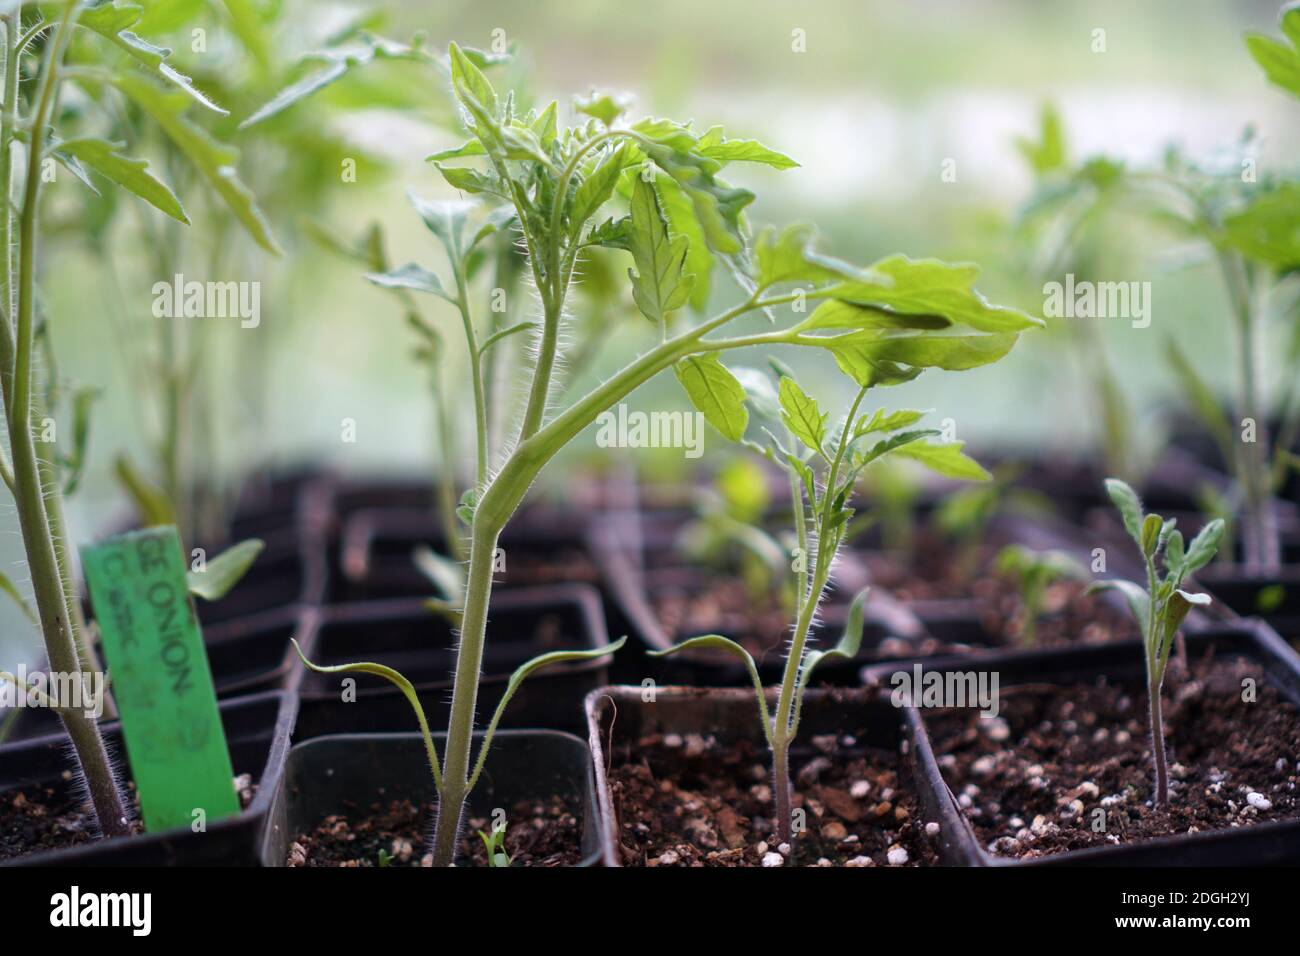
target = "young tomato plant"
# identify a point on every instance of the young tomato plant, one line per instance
(1162, 605)
(1034, 572)
(823, 465)
(882, 325)
(89, 45)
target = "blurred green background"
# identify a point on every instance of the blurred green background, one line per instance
(880, 98)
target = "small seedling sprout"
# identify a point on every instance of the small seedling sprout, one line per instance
(1162, 605)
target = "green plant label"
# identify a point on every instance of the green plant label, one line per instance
(160, 679)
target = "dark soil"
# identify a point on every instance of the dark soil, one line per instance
(543, 832)
(724, 605)
(695, 802)
(53, 817)
(1030, 781)
(937, 572)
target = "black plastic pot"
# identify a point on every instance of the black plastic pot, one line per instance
(257, 728)
(290, 572)
(247, 655)
(420, 644)
(616, 714)
(1275, 598)
(332, 775)
(542, 545)
(1260, 844)
(637, 564)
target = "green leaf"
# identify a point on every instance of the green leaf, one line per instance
(1176, 609)
(838, 314)
(789, 256)
(1152, 525)
(465, 150)
(680, 212)
(131, 174)
(1135, 596)
(443, 573)
(1129, 505)
(596, 188)
(717, 207)
(152, 504)
(401, 683)
(603, 107)
(759, 392)
(801, 414)
(469, 83)
(849, 643)
(659, 285)
(715, 392)
(214, 161)
(1203, 547)
(883, 358)
(932, 287)
(946, 459)
(519, 676)
(1281, 63)
(882, 421)
(225, 570)
(111, 20)
(411, 276)
(715, 146)
(1047, 155)
(1268, 229)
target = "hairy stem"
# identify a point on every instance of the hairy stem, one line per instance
(476, 377)
(464, 696)
(782, 792)
(43, 564)
(1158, 746)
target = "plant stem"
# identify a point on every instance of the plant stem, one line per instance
(1158, 746)
(464, 696)
(1259, 530)
(43, 565)
(476, 376)
(781, 791)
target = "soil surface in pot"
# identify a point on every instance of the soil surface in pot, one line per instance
(37, 818)
(1030, 780)
(690, 801)
(541, 832)
(936, 571)
(759, 622)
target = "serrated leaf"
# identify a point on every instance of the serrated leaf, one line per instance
(715, 146)
(111, 20)
(715, 392)
(717, 207)
(225, 570)
(214, 161)
(1280, 62)
(131, 174)
(883, 358)
(659, 284)
(947, 459)
(596, 188)
(838, 314)
(682, 222)
(801, 414)
(469, 83)
(882, 421)
(465, 150)
(789, 256)
(603, 107)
